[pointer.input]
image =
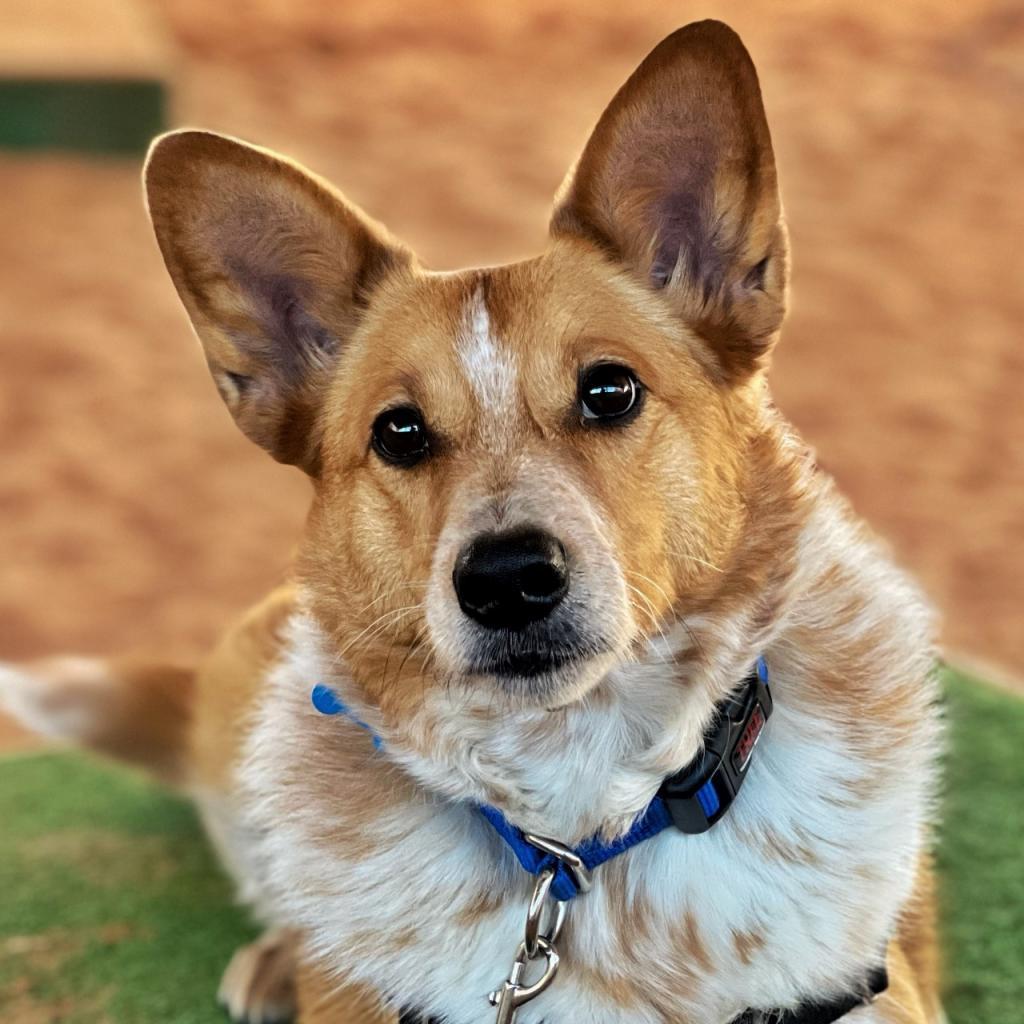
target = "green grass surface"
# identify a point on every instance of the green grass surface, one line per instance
(981, 856)
(112, 909)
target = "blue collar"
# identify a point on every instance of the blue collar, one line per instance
(691, 800)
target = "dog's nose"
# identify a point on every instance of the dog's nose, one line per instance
(508, 580)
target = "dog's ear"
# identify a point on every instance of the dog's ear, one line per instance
(678, 182)
(274, 268)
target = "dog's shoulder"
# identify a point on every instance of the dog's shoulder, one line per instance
(229, 685)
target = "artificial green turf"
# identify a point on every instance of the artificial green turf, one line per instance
(133, 918)
(981, 855)
(112, 909)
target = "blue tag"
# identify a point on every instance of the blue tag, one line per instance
(327, 702)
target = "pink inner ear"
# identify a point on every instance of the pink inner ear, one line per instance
(685, 233)
(290, 339)
(755, 279)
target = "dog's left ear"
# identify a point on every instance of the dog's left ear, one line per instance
(275, 269)
(678, 182)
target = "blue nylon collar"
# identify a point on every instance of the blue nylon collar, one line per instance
(593, 851)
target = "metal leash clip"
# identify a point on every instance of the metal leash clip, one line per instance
(513, 993)
(544, 919)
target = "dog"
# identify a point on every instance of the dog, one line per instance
(566, 567)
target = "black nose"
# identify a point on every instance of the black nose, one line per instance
(508, 580)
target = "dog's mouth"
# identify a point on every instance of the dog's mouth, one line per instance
(536, 660)
(522, 665)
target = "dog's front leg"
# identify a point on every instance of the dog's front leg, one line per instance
(259, 985)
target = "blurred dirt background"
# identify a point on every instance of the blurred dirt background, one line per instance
(134, 516)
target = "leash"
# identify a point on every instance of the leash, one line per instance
(692, 800)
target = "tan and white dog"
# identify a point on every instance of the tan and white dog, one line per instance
(556, 520)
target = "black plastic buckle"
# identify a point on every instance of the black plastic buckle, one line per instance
(702, 792)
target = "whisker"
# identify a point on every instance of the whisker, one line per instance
(388, 593)
(378, 626)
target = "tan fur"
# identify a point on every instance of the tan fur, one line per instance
(259, 982)
(228, 686)
(668, 254)
(134, 708)
(914, 959)
(322, 1002)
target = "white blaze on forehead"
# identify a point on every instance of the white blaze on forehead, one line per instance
(488, 366)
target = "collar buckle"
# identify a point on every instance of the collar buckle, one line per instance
(702, 792)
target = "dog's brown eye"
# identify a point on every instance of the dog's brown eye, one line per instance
(400, 436)
(608, 391)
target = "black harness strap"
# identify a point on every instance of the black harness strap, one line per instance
(807, 1013)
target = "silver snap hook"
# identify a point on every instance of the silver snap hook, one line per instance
(513, 993)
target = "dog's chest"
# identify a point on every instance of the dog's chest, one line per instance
(792, 894)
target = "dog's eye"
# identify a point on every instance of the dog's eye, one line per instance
(608, 391)
(400, 436)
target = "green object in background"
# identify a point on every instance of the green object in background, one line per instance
(118, 115)
(113, 909)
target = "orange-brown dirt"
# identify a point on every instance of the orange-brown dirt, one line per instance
(135, 517)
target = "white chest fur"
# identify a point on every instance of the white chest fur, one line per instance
(794, 892)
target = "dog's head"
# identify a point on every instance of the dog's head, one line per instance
(521, 472)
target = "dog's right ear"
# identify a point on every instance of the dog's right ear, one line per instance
(274, 269)
(678, 184)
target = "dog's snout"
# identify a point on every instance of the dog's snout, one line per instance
(508, 580)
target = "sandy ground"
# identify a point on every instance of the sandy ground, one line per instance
(134, 516)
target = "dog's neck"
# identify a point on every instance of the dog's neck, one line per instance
(589, 767)
(592, 766)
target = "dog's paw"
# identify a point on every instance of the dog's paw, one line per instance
(259, 985)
